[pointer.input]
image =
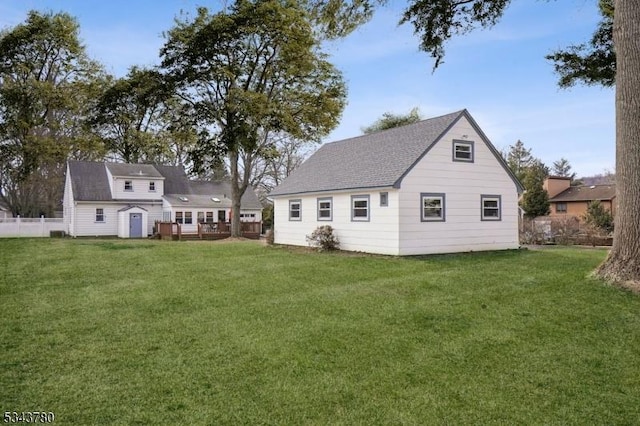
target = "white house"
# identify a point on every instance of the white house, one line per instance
(125, 200)
(436, 186)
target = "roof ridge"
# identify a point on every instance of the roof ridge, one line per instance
(392, 129)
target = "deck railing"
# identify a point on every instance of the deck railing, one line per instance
(218, 230)
(207, 230)
(169, 230)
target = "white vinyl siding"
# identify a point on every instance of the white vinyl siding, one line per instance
(378, 235)
(85, 218)
(463, 184)
(140, 189)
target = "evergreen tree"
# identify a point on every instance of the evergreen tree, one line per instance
(599, 217)
(562, 168)
(519, 159)
(535, 200)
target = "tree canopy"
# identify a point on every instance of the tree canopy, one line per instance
(593, 62)
(390, 120)
(47, 86)
(248, 72)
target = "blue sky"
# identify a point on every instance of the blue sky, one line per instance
(500, 75)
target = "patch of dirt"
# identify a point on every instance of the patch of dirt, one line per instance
(632, 286)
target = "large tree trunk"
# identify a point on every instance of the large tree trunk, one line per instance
(622, 266)
(236, 194)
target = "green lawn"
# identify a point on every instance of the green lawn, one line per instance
(148, 332)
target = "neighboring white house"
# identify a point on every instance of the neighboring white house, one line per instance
(436, 186)
(125, 200)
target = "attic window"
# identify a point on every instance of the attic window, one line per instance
(128, 185)
(215, 199)
(152, 186)
(184, 199)
(463, 151)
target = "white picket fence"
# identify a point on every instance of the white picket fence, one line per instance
(12, 227)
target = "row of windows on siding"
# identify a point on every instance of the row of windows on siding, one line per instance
(432, 206)
(207, 217)
(203, 217)
(128, 186)
(359, 207)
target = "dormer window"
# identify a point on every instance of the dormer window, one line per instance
(152, 186)
(128, 185)
(463, 151)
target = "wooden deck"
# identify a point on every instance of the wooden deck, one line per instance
(207, 231)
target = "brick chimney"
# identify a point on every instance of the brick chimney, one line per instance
(556, 184)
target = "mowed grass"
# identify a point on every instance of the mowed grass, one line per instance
(153, 332)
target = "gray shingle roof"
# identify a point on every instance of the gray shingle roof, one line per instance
(197, 201)
(379, 159)
(175, 179)
(133, 170)
(222, 190)
(90, 182)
